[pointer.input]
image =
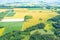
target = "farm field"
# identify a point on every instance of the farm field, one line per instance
(29, 19)
(36, 14)
(34, 20)
(10, 26)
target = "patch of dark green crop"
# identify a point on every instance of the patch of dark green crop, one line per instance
(2, 15)
(10, 13)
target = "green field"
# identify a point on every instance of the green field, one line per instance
(11, 26)
(13, 29)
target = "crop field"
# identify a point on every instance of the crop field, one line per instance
(10, 26)
(37, 23)
(36, 15)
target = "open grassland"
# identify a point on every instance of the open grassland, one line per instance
(38, 21)
(36, 15)
(10, 26)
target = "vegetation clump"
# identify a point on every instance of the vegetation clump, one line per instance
(35, 27)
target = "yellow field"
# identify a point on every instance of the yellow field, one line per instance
(1, 31)
(36, 14)
(43, 14)
(20, 13)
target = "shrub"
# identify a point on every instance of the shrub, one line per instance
(15, 35)
(55, 19)
(35, 27)
(57, 32)
(56, 25)
(31, 28)
(41, 25)
(27, 17)
(38, 36)
(58, 12)
(48, 37)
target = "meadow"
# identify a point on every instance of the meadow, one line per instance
(32, 19)
(11, 26)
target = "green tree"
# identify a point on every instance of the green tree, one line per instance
(27, 17)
